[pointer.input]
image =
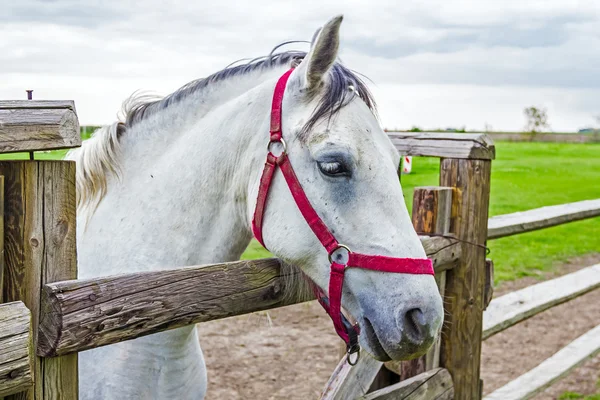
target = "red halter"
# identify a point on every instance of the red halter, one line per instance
(349, 333)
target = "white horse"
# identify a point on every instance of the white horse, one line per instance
(176, 184)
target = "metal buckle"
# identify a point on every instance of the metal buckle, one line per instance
(283, 144)
(340, 247)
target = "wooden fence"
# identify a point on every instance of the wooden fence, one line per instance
(542, 137)
(41, 331)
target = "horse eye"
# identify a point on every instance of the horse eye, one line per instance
(332, 168)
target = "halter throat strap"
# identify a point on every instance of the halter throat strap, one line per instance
(332, 303)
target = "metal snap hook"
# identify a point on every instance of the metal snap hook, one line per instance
(351, 351)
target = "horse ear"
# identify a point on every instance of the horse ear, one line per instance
(323, 53)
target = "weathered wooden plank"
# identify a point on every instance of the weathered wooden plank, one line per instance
(16, 348)
(464, 296)
(39, 248)
(447, 145)
(36, 104)
(431, 214)
(539, 218)
(435, 384)
(1, 238)
(84, 314)
(349, 382)
(34, 125)
(505, 311)
(445, 252)
(552, 369)
(546, 137)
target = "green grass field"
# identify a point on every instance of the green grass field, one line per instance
(524, 176)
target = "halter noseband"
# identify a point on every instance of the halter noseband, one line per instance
(332, 305)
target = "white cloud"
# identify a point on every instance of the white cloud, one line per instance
(483, 60)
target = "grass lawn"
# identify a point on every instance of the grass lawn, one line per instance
(524, 176)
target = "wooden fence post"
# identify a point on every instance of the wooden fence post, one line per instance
(40, 248)
(464, 295)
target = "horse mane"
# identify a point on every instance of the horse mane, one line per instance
(98, 157)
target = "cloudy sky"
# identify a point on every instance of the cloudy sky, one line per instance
(434, 64)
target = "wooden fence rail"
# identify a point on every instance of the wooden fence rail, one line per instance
(517, 306)
(350, 382)
(83, 314)
(551, 370)
(435, 384)
(16, 348)
(445, 145)
(30, 125)
(539, 218)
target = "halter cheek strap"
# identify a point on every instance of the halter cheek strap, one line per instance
(332, 304)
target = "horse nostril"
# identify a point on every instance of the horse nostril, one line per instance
(415, 325)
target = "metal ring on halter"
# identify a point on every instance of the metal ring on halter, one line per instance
(277, 141)
(339, 246)
(353, 350)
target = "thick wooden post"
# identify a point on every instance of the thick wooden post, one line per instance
(464, 295)
(39, 227)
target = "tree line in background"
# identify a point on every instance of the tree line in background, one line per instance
(536, 121)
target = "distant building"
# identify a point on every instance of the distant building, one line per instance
(588, 130)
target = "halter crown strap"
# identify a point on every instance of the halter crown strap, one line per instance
(332, 304)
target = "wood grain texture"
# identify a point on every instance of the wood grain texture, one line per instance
(445, 252)
(552, 369)
(447, 145)
(16, 348)
(540, 218)
(464, 296)
(435, 384)
(514, 307)
(84, 314)
(432, 209)
(431, 214)
(40, 248)
(1, 238)
(36, 104)
(36, 125)
(350, 382)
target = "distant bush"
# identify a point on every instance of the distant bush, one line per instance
(415, 129)
(537, 119)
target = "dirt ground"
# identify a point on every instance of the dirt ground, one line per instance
(289, 353)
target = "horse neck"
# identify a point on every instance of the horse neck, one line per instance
(182, 197)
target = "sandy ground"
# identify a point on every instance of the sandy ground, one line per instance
(289, 353)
